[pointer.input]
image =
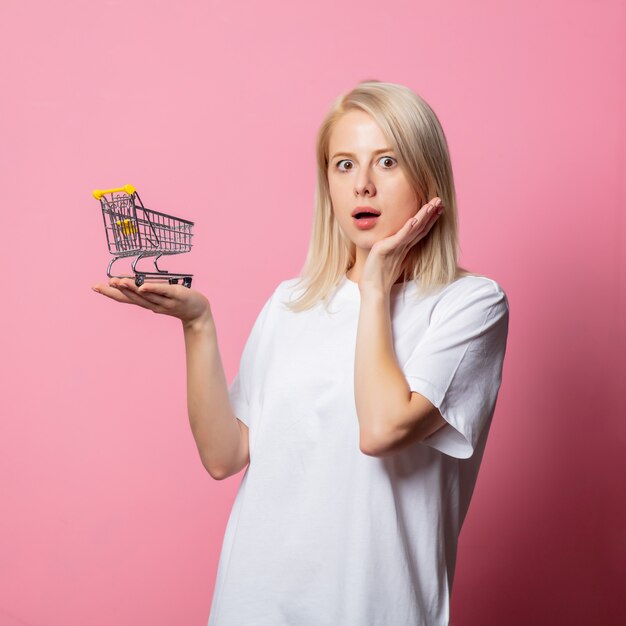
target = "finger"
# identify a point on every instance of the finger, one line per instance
(420, 217)
(161, 289)
(126, 283)
(129, 289)
(436, 212)
(158, 294)
(433, 213)
(427, 215)
(432, 218)
(135, 298)
(112, 292)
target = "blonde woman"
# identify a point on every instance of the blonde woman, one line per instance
(365, 391)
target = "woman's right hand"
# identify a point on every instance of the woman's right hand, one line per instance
(188, 305)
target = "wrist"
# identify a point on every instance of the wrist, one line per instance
(198, 324)
(373, 294)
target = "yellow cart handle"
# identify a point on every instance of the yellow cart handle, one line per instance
(98, 193)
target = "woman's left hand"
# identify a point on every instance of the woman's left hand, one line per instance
(384, 261)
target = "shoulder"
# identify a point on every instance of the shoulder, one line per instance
(288, 284)
(474, 283)
(281, 288)
(288, 289)
(473, 293)
(281, 293)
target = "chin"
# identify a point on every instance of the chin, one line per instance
(372, 235)
(366, 244)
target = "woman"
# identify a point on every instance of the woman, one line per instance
(365, 391)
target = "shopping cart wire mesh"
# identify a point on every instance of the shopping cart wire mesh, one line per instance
(134, 230)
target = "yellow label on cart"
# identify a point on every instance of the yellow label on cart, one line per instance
(127, 227)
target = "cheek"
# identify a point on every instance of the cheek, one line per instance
(405, 204)
(413, 204)
(335, 192)
(399, 192)
(409, 195)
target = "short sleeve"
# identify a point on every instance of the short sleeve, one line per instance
(458, 363)
(240, 387)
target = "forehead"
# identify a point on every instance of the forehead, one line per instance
(356, 130)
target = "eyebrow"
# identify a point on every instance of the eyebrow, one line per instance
(349, 154)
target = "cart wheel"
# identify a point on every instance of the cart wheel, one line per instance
(173, 281)
(187, 281)
(139, 279)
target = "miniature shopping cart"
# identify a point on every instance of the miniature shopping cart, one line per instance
(133, 230)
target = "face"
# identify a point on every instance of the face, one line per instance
(362, 172)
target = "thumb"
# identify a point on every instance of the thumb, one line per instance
(158, 288)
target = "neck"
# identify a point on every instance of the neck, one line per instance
(354, 273)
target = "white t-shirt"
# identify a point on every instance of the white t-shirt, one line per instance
(320, 533)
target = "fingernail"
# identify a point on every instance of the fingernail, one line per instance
(414, 221)
(96, 289)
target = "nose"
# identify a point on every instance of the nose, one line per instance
(363, 185)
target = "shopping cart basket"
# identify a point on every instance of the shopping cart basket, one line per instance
(133, 230)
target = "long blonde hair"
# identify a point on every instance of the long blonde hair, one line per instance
(415, 134)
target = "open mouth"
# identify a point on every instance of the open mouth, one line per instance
(365, 214)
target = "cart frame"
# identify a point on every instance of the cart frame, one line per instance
(134, 230)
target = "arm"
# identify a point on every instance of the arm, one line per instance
(221, 438)
(391, 416)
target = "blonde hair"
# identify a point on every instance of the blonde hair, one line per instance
(414, 132)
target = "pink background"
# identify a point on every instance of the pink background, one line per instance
(210, 109)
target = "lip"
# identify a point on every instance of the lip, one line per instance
(365, 223)
(361, 209)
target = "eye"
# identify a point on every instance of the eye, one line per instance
(339, 163)
(385, 158)
(388, 158)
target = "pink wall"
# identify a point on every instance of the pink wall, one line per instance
(210, 109)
